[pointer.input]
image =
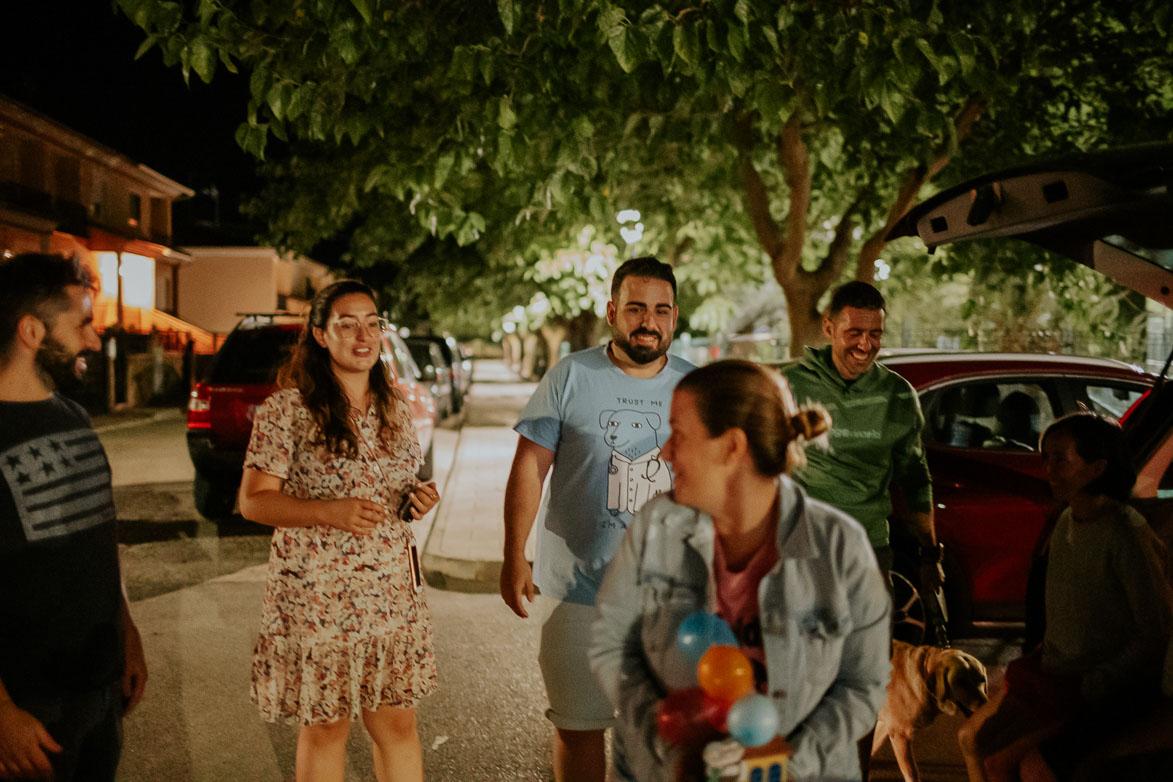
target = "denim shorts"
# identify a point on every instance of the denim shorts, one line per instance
(88, 726)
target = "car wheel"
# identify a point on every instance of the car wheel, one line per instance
(428, 468)
(213, 500)
(909, 623)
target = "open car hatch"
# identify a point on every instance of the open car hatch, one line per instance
(1111, 211)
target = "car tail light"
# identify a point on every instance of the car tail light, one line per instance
(199, 408)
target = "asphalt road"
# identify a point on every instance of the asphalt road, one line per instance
(196, 591)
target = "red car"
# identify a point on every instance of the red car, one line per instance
(244, 371)
(984, 413)
(1109, 211)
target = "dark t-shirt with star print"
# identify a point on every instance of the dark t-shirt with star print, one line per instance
(60, 589)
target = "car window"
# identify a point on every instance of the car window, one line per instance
(988, 414)
(1111, 400)
(253, 355)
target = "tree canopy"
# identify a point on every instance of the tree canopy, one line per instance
(794, 132)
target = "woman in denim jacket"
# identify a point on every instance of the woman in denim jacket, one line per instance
(812, 617)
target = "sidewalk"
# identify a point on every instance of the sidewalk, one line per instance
(463, 549)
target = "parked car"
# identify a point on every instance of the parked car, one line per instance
(984, 414)
(244, 372)
(459, 365)
(1109, 211)
(434, 372)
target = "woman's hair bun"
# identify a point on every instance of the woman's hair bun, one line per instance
(810, 422)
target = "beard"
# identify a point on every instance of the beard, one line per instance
(640, 354)
(59, 366)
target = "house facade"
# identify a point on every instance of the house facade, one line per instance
(63, 192)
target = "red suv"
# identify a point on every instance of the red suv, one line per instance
(244, 371)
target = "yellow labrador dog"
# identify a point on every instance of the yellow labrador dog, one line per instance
(926, 681)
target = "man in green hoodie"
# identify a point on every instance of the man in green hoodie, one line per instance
(875, 434)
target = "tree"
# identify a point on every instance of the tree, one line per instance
(504, 123)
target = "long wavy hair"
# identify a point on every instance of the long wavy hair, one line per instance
(309, 370)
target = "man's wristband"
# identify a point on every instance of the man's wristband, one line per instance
(933, 555)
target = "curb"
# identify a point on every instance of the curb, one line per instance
(461, 575)
(165, 414)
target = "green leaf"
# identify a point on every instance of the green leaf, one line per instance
(508, 15)
(207, 9)
(619, 41)
(357, 125)
(375, 177)
(364, 9)
(772, 39)
(145, 46)
(929, 54)
(226, 60)
(443, 169)
(863, 39)
(583, 128)
(504, 158)
(506, 118)
(890, 103)
(966, 52)
(251, 138)
(276, 99)
(611, 19)
(686, 44)
(203, 59)
(299, 100)
(738, 42)
(258, 82)
(741, 11)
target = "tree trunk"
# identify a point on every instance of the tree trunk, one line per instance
(511, 352)
(583, 330)
(806, 323)
(529, 356)
(554, 330)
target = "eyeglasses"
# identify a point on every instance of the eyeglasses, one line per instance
(348, 328)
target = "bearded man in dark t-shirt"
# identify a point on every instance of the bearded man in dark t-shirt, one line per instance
(71, 660)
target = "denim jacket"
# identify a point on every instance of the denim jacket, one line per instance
(824, 613)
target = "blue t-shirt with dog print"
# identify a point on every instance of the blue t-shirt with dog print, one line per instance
(606, 429)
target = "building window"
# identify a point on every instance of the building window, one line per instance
(136, 209)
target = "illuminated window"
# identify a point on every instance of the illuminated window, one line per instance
(138, 281)
(108, 272)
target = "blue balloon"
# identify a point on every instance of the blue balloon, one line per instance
(701, 630)
(752, 720)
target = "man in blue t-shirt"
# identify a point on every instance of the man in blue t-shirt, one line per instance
(599, 418)
(71, 660)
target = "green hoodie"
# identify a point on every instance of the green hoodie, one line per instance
(875, 436)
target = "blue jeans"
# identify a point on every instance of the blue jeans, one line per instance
(88, 726)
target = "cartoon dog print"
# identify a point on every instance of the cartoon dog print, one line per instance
(635, 473)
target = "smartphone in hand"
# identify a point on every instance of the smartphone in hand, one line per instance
(406, 506)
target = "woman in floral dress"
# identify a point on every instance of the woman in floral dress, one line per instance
(345, 633)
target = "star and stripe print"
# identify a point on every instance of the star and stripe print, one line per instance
(60, 483)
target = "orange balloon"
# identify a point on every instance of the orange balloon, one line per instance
(724, 672)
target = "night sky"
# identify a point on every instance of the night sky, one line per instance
(73, 60)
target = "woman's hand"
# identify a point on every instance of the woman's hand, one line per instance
(424, 497)
(354, 515)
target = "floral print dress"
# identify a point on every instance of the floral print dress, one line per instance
(342, 629)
